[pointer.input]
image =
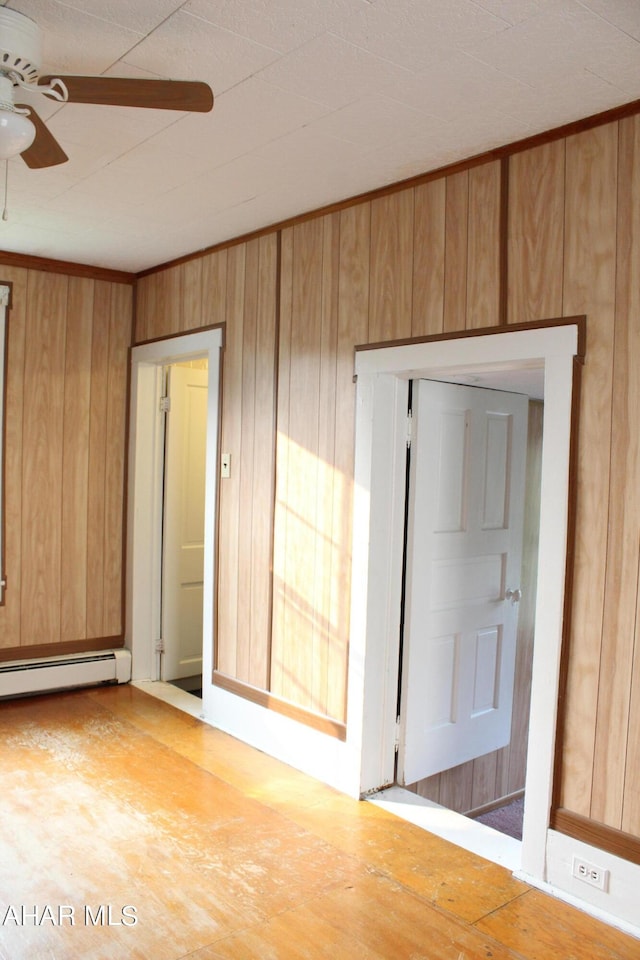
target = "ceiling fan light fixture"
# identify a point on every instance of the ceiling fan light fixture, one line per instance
(17, 133)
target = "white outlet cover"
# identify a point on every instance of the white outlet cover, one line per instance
(591, 873)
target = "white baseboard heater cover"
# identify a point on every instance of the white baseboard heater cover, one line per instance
(21, 677)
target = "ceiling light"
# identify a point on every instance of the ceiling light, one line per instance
(17, 133)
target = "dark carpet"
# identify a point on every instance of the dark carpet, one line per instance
(507, 819)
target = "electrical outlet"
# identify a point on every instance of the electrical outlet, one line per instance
(590, 873)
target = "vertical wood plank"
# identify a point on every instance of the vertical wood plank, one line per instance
(589, 287)
(97, 459)
(302, 480)
(428, 258)
(245, 462)
(456, 787)
(631, 803)
(280, 542)
(456, 251)
(75, 458)
(353, 314)
(145, 306)
(483, 257)
(231, 442)
(517, 758)
(612, 769)
(119, 342)
(264, 463)
(483, 782)
(391, 276)
(42, 458)
(326, 626)
(10, 611)
(214, 288)
(191, 300)
(536, 233)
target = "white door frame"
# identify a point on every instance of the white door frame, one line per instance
(144, 525)
(379, 493)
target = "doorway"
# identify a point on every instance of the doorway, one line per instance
(184, 405)
(549, 349)
(468, 623)
(144, 629)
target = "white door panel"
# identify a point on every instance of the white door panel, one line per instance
(183, 533)
(464, 549)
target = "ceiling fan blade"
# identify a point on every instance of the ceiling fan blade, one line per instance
(188, 95)
(45, 151)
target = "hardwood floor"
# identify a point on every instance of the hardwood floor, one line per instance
(197, 846)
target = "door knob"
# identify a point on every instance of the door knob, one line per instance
(515, 596)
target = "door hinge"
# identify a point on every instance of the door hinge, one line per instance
(409, 428)
(160, 646)
(396, 736)
(165, 404)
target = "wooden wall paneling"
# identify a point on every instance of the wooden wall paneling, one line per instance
(515, 772)
(191, 300)
(536, 233)
(456, 251)
(631, 803)
(589, 287)
(456, 787)
(611, 775)
(42, 458)
(483, 257)
(160, 305)
(246, 461)
(391, 273)
(10, 611)
(115, 435)
(145, 290)
(277, 680)
(264, 463)
(295, 645)
(326, 642)
(483, 782)
(429, 788)
(231, 442)
(96, 489)
(75, 458)
(214, 288)
(428, 258)
(352, 329)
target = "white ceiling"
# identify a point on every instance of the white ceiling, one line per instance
(316, 101)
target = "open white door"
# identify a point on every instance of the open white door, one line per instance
(464, 550)
(183, 530)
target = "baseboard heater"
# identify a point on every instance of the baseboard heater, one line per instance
(21, 677)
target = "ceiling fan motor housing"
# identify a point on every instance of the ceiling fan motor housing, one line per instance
(20, 45)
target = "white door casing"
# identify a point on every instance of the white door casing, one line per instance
(183, 529)
(464, 550)
(145, 500)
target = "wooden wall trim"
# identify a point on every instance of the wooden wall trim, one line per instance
(41, 650)
(65, 267)
(332, 728)
(497, 153)
(596, 834)
(579, 321)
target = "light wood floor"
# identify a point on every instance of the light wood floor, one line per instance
(111, 798)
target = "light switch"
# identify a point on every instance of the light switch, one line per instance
(225, 466)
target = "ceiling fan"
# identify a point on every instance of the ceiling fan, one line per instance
(23, 132)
